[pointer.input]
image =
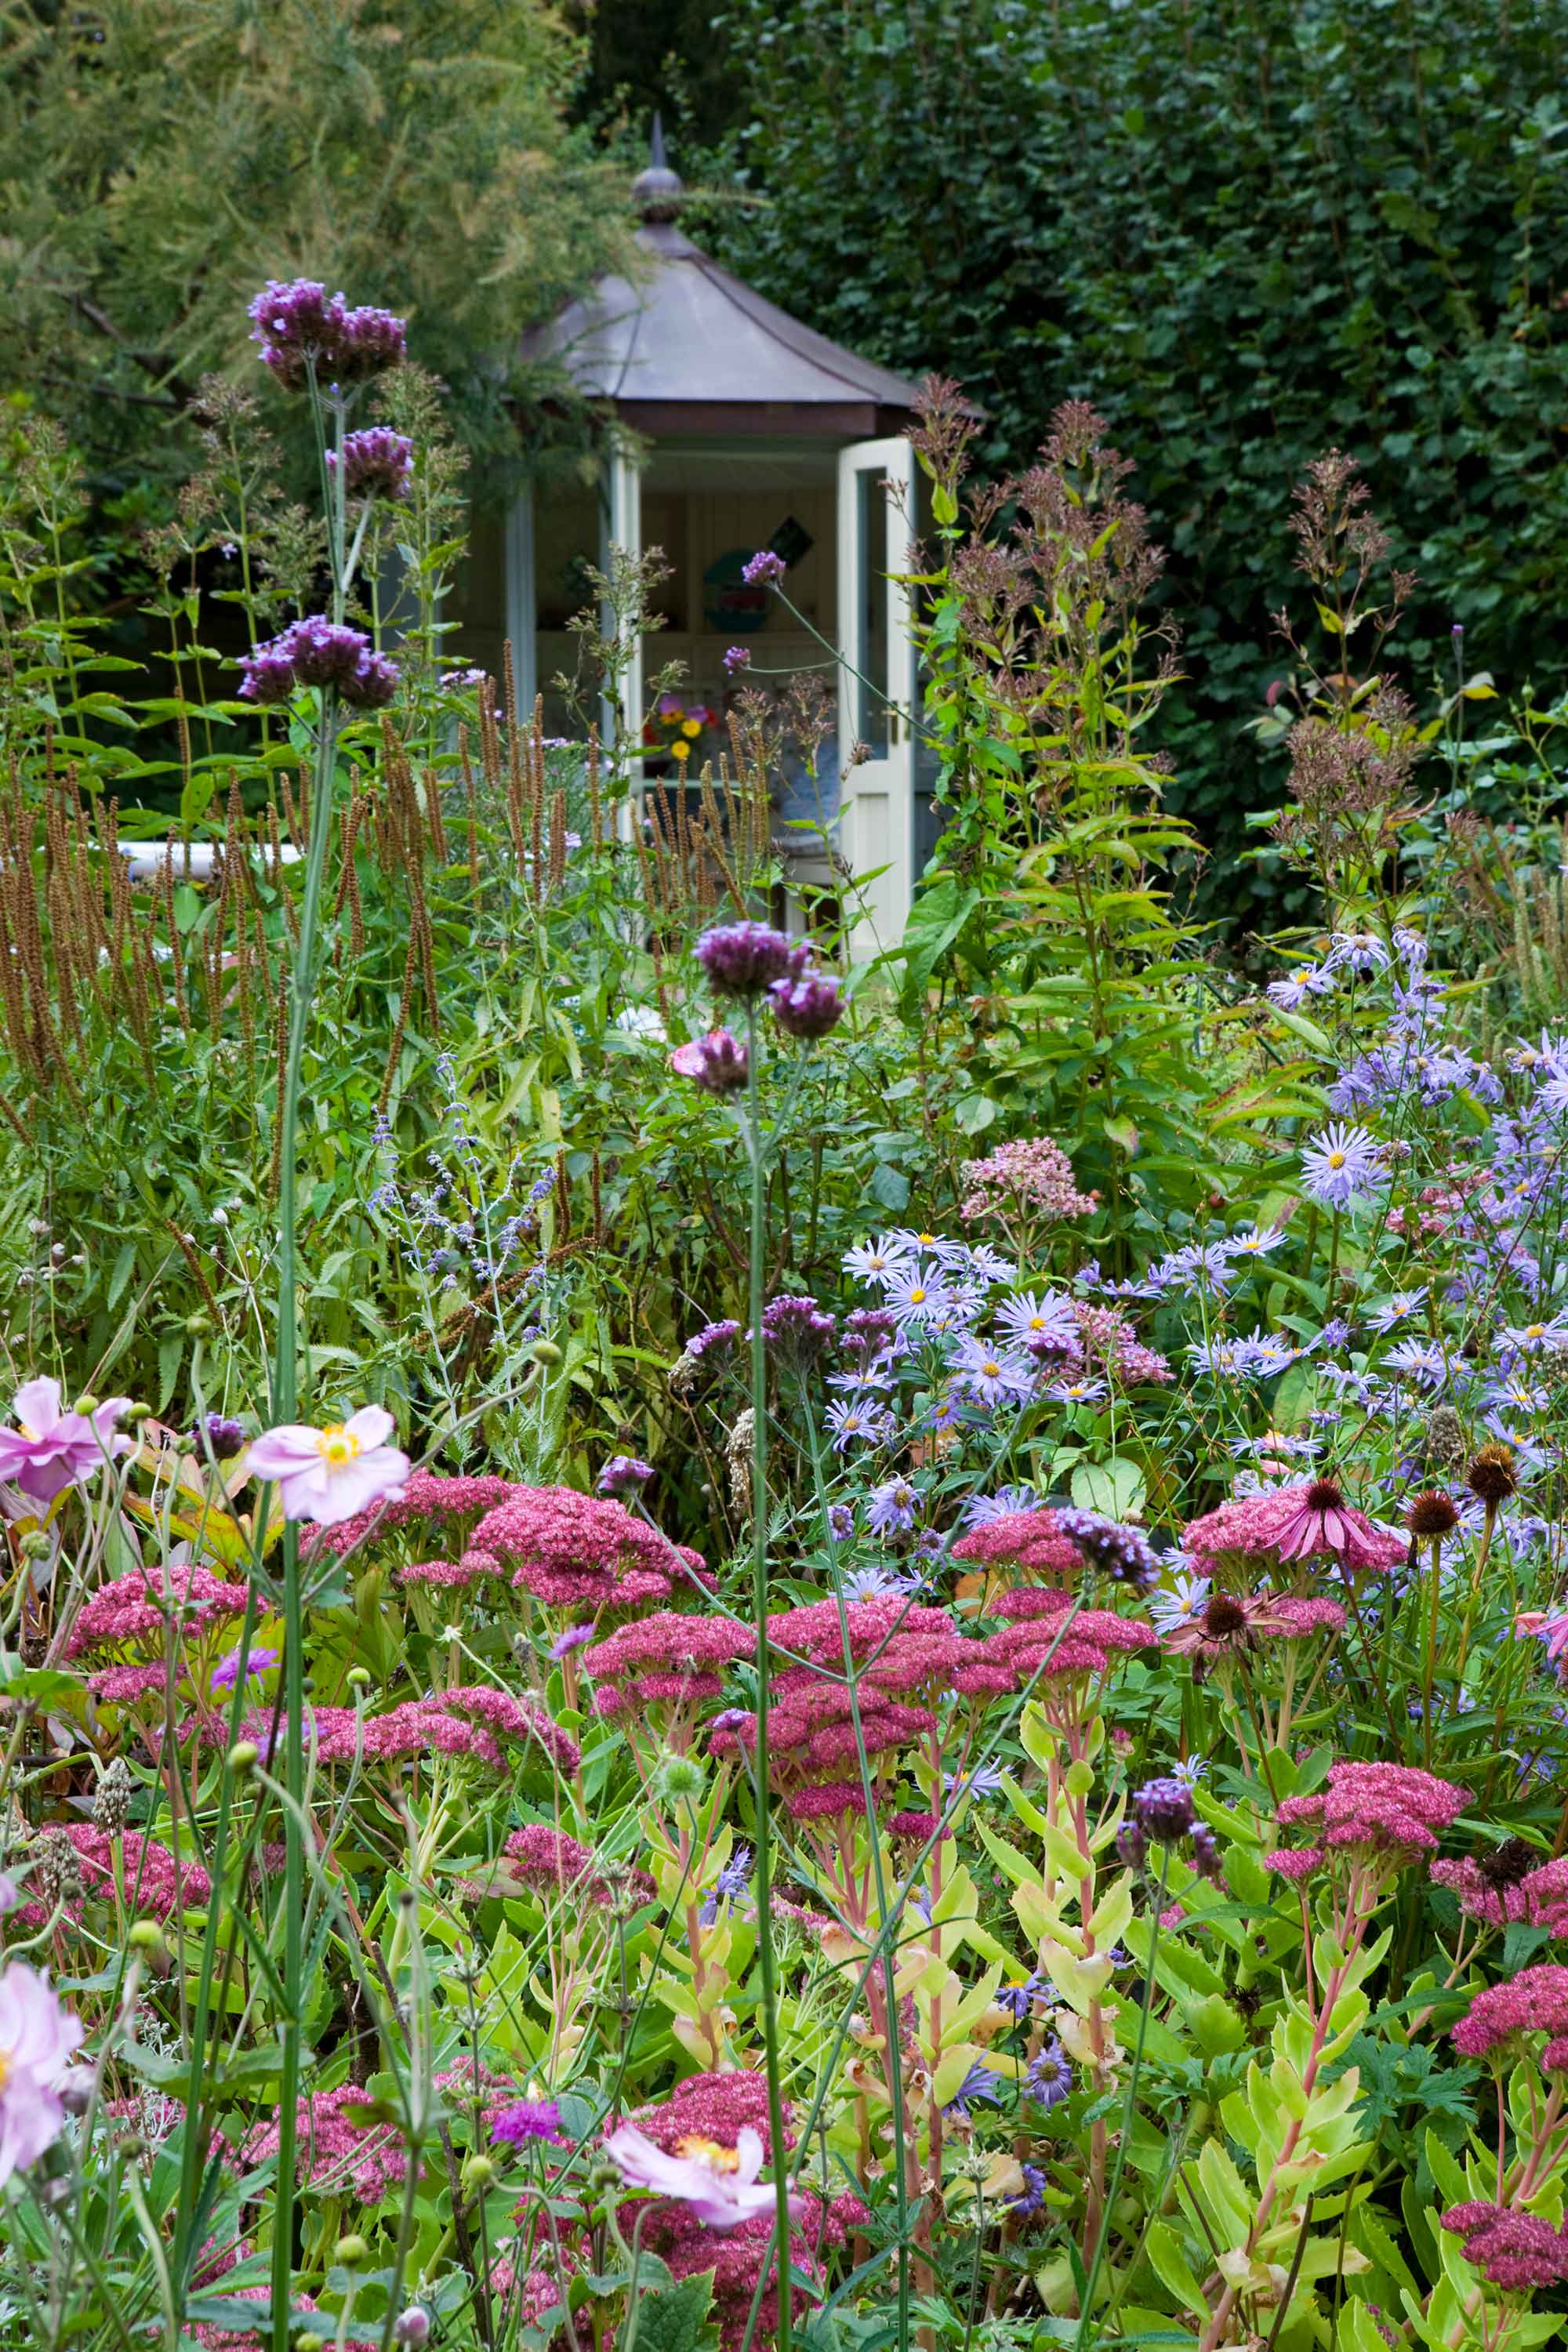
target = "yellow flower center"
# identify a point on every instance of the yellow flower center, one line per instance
(916, 1297)
(708, 2152)
(925, 1240)
(5, 2068)
(336, 1447)
(1533, 1330)
(30, 1435)
(1336, 1160)
(991, 1371)
(1036, 1322)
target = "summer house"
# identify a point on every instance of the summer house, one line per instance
(746, 430)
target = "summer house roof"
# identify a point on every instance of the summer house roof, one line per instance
(692, 349)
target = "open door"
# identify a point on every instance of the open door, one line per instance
(877, 684)
(620, 525)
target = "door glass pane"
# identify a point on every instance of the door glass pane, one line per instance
(566, 545)
(872, 581)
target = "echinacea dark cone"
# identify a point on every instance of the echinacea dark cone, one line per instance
(1504, 1865)
(1491, 1475)
(1432, 1515)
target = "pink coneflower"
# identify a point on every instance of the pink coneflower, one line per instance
(1297, 1523)
(1227, 1627)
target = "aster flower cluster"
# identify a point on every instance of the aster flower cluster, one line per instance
(319, 652)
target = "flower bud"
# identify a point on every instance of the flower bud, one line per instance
(242, 1756)
(36, 1545)
(147, 1936)
(477, 2173)
(359, 1677)
(86, 1405)
(413, 2328)
(545, 1351)
(198, 1325)
(349, 2252)
(309, 2342)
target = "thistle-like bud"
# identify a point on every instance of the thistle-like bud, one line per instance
(111, 1798)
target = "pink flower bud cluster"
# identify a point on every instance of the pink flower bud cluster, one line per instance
(467, 1721)
(547, 1859)
(1392, 1812)
(425, 1500)
(157, 1882)
(691, 1652)
(334, 2151)
(1538, 1898)
(573, 1550)
(1535, 2000)
(1034, 1177)
(1110, 1344)
(1515, 2251)
(1296, 1523)
(300, 320)
(1031, 1541)
(137, 1606)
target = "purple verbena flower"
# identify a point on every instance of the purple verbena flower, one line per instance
(763, 570)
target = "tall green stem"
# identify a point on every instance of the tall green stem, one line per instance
(285, 1404)
(764, 1864)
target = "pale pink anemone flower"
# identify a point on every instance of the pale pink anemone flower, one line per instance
(718, 2184)
(1298, 1522)
(38, 2041)
(328, 1474)
(50, 1450)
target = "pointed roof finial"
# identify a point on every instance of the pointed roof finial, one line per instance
(658, 191)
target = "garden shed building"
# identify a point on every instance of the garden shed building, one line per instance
(746, 430)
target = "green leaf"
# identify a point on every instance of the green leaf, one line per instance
(674, 2318)
(1172, 2269)
(890, 1186)
(1116, 1488)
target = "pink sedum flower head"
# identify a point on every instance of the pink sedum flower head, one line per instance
(718, 2184)
(38, 2039)
(50, 1450)
(328, 1474)
(1535, 2000)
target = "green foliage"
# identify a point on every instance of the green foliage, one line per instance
(159, 165)
(1245, 232)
